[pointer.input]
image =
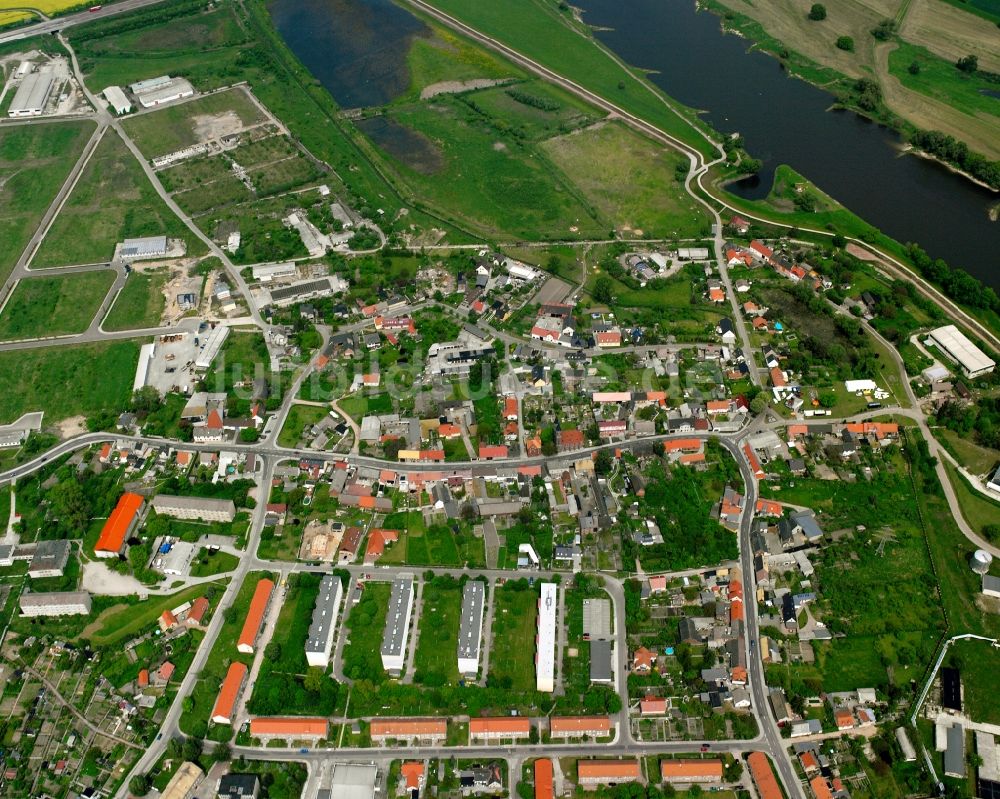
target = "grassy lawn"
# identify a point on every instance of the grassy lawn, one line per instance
(140, 303)
(977, 662)
(537, 110)
(54, 306)
(977, 459)
(299, 418)
(179, 126)
(437, 545)
(194, 719)
(113, 201)
(366, 622)
(542, 32)
(977, 509)
(125, 623)
(34, 161)
(510, 186)
(436, 659)
(206, 563)
(67, 381)
(941, 80)
(630, 180)
(515, 622)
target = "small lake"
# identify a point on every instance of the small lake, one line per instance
(786, 120)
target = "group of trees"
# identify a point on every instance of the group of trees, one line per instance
(980, 421)
(953, 151)
(956, 283)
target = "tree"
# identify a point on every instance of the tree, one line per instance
(314, 680)
(604, 290)
(969, 64)
(818, 12)
(758, 403)
(602, 463)
(140, 784)
(751, 166)
(884, 30)
(914, 68)
(145, 400)
(845, 43)
(221, 752)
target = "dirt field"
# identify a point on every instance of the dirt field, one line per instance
(979, 132)
(952, 33)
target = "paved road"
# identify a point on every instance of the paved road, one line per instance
(61, 23)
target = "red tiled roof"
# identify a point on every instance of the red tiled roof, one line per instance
(608, 769)
(500, 725)
(408, 728)
(580, 724)
(255, 615)
(486, 451)
(225, 705)
(691, 769)
(112, 537)
(198, 610)
(763, 776)
(412, 772)
(288, 727)
(543, 778)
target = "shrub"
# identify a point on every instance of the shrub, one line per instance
(846, 43)
(817, 12)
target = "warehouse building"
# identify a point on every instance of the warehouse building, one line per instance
(956, 345)
(545, 658)
(157, 91)
(32, 94)
(55, 603)
(409, 730)
(265, 273)
(601, 666)
(147, 247)
(397, 625)
(307, 290)
(255, 616)
(211, 345)
(470, 628)
(591, 773)
(118, 100)
(269, 728)
(319, 644)
(225, 705)
(119, 526)
(200, 508)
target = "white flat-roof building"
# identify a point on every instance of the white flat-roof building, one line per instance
(265, 273)
(692, 253)
(210, 347)
(545, 658)
(470, 627)
(118, 100)
(158, 91)
(146, 353)
(55, 603)
(202, 508)
(146, 247)
(956, 345)
(32, 94)
(319, 644)
(397, 625)
(353, 781)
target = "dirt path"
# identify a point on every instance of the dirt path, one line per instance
(457, 86)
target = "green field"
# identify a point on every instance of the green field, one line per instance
(206, 563)
(974, 457)
(508, 185)
(120, 625)
(630, 180)
(436, 662)
(437, 545)
(977, 661)
(515, 622)
(34, 161)
(536, 110)
(366, 623)
(178, 126)
(54, 306)
(446, 57)
(299, 418)
(977, 509)
(112, 201)
(67, 381)
(542, 32)
(941, 80)
(140, 303)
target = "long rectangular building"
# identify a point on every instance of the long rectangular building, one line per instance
(289, 728)
(225, 704)
(397, 625)
(255, 616)
(607, 772)
(201, 508)
(545, 657)
(32, 94)
(408, 729)
(319, 644)
(498, 728)
(119, 526)
(956, 345)
(470, 627)
(55, 603)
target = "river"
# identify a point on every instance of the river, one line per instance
(357, 49)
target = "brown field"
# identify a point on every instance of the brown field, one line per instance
(952, 33)
(979, 132)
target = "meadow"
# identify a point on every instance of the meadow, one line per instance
(435, 662)
(366, 622)
(299, 418)
(34, 161)
(139, 304)
(67, 381)
(54, 306)
(515, 619)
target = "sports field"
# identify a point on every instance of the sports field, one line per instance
(54, 306)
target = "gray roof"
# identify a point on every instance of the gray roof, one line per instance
(324, 614)
(600, 661)
(49, 555)
(954, 755)
(394, 637)
(471, 624)
(807, 521)
(166, 502)
(597, 619)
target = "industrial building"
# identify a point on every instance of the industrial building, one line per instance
(32, 94)
(211, 346)
(164, 89)
(470, 627)
(956, 345)
(55, 603)
(307, 290)
(354, 781)
(200, 508)
(265, 273)
(319, 644)
(397, 625)
(545, 658)
(118, 100)
(225, 705)
(601, 667)
(255, 616)
(954, 754)
(119, 526)
(148, 247)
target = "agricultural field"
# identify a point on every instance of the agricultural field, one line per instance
(199, 120)
(140, 303)
(67, 381)
(515, 622)
(54, 306)
(630, 180)
(47, 7)
(536, 110)
(113, 201)
(435, 662)
(34, 162)
(955, 28)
